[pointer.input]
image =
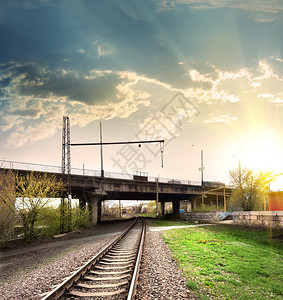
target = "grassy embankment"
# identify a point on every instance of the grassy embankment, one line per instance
(161, 222)
(147, 215)
(229, 262)
(166, 221)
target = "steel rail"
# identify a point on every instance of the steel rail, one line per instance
(68, 282)
(133, 285)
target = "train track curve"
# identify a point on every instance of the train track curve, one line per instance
(111, 274)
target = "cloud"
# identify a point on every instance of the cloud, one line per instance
(30, 98)
(31, 133)
(220, 119)
(273, 98)
(33, 94)
(104, 50)
(227, 86)
(168, 122)
(32, 80)
(127, 36)
(42, 96)
(260, 11)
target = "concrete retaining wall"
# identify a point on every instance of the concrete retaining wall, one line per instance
(247, 218)
(209, 217)
(259, 218)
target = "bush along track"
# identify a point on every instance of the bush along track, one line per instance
(229, 262)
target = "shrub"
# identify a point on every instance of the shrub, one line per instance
(49, 221)
(80, 217)
(35, 191)
(205, 208)
(191, 285)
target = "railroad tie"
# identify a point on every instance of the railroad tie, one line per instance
(122, 262)
(120, 256)
(112, 268)
(97, 286)
(109, 273)
(106, 278)
(117, 259)
(97, 294)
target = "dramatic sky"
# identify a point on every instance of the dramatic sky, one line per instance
(194, 72)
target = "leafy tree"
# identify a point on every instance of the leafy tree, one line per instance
(111, 209)
(151, 207)
(36, 191)
(250, 188)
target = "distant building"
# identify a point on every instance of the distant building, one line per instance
(275, 201)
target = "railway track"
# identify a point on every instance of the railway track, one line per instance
(111, 274)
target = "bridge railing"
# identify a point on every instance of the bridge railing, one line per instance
(16, 165)
(174, 181)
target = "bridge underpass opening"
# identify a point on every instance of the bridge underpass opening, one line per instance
(122, 209)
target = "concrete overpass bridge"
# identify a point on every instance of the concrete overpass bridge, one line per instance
(94, 190)
(89, 187)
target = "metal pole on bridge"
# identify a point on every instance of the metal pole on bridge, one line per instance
(201, 167)
(157, 197)
(101, 153)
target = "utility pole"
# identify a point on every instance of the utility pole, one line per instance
(157, 197)
(101, 153)
(66, 153)
(201, 166)
(201, 169)
(66, 169)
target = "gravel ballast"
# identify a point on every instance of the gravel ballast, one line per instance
(160, 277)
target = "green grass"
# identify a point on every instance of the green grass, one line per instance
(147, 215)
(229, 262)
(169, 223)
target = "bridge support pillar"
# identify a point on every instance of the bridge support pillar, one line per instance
(176, 207)
(162, 208)
(189, 206)
(195, 203)
(95, 209)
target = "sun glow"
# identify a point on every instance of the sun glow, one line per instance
(261, 151)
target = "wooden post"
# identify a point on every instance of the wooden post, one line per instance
(224, 200)
(217, 202)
